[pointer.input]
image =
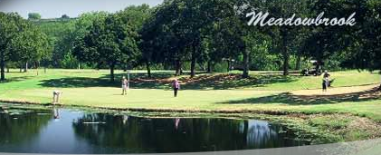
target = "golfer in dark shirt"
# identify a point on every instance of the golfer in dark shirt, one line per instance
(325, 84)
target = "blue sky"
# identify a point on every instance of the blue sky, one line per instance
(73, 8)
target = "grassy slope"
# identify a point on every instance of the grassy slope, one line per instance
(258, 93)
(219, 92)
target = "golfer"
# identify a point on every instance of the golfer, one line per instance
(176, 86)
(124, 85)
(56, 96)
(325, 84)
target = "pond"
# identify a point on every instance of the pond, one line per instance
(60, 130)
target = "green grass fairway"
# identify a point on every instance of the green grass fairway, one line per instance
(349, 111)
(216, 92)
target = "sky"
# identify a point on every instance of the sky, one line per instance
(72, 8)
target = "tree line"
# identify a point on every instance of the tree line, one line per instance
(201, 35)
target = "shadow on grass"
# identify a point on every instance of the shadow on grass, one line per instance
(104, 81)
(77, 82)
(291, 99)
(211, 82)
(162, 80)
(155, 75)
(235, 81)
(16, 79)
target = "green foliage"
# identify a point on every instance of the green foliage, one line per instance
(34, 16)
(60, 34)
(21, 42)
(30, 45)
(366, 50)
(65, 16)
(112, 40)
(69, 61)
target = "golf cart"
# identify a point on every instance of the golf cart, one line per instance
(315, 71)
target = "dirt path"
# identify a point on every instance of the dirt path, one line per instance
(335, 91)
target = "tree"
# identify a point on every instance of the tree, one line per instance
(182, 28)
(98, 46)
(110, 42)
(373, 37)
(358, 45)
(161, 41)
(286, 36)
(34, 16)
(85, 21)
(183, 25)
(65, 16)
(231, 38)
(30, 45)
(365, 50)
(134, 17)
(248, 35)
(224, 34)
(61, 36)
(10, 26)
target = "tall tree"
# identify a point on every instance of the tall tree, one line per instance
(30, 46)
(182, 27)
(373, 36)
(10, 26)
(285, 36)
(110, 41)
(134, 17)
(365, 49)
(225, 33)
(161, 40)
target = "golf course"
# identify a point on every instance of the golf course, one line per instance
(350, 110)
(194, 75)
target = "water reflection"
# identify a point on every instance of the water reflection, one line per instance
(179, 135)
(56, 113)
(177, 122)
(261, 134)
(21, 126)
(79, 132)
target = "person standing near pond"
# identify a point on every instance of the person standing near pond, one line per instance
(328, 76)
(124, 85)
(56, 96)
(175, 86)
(325, 84)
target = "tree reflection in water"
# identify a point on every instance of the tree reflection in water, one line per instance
(124, 134)
(21, 125)
(261, 134)
(74, 131)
